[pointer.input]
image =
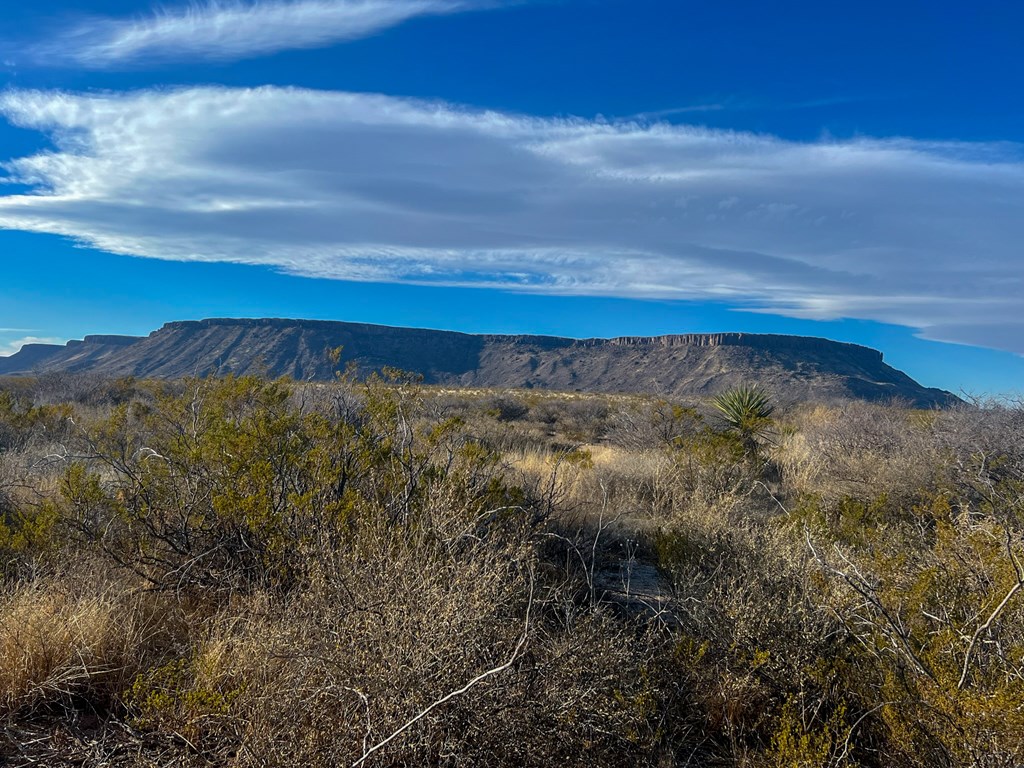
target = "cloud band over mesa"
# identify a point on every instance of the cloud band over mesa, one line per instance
(370, 187)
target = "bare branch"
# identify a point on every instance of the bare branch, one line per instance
(988, 623)
(448, 697)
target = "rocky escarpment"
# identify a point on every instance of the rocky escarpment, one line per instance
(796, 367)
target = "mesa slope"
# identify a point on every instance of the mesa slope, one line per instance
(794, 367)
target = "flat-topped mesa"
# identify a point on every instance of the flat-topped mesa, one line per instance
(99, 340)
(247, 322)
(36, 348)
(763, 341)
(370, 331)
(676, 365)
(285, 323)
(111, 340)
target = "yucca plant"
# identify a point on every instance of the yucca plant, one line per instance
(746, 411)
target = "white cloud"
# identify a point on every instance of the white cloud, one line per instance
(369, 187)
(8, 348)
(233, 30)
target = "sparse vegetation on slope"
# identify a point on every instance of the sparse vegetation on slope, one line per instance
(237, 572)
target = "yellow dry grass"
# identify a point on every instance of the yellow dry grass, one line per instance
(60, 636)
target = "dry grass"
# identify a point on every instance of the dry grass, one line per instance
(77, 635)
(593, 476)
(859, 450)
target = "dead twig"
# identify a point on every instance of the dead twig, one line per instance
(458, 692)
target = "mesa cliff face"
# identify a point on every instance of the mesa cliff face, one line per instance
(795, 367)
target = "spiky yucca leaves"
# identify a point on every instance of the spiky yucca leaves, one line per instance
(747, 411)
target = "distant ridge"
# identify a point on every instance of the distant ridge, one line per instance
(795, 367)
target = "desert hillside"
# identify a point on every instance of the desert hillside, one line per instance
(792, 367)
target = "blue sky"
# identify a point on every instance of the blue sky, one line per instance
(576, 167)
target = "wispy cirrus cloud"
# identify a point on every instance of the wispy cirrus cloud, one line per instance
(369, 187)
(237, 29)
(743, 105)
